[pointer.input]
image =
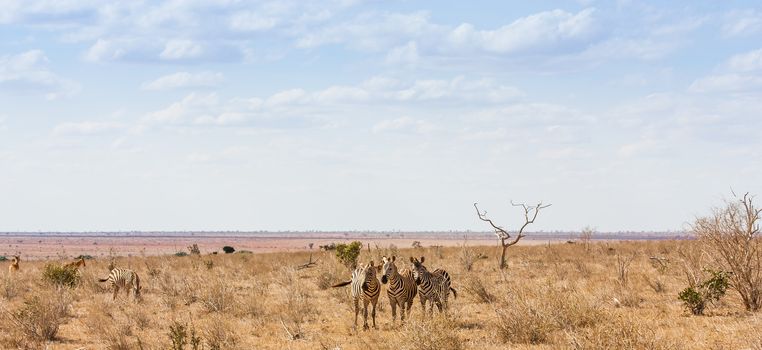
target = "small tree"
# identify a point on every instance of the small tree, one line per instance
(586, 236)
(697, 297)
(503, 236)
(228, 249)
(349, 253)
(731, 236)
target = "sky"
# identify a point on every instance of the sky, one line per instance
(375, 115)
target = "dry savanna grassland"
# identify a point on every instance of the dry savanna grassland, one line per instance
(602, 295)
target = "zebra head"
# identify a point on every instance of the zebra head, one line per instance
(389, 268)
(418, 268)
(368, 274)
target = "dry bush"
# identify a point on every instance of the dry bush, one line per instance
(40, 316)
(623, 263)
(535, 319)
(11, 286)
(434, 334)
(296, 308)
(656, 283)
(216, 293)
(620, 333)
(219, 333)
(467, 257)
(478, 289)
(113, 333)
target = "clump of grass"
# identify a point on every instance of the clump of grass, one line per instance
(217, 295)
(219, 334)
(622, 332)
(527, 319)
(438, 333)
(478, 289)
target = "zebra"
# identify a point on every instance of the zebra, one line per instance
(432, 286)
(401, 290)
(124, 278)
(14, 266)
(365, 287)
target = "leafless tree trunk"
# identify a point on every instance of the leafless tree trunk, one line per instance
(504, 238)
(731, 236)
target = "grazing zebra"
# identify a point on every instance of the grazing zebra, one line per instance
(432, 286)
(365, 287)
(401, 290)
(14, 266)
(124, 278)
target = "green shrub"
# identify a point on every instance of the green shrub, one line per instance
(228, 249)
(84, 256)
(181, 254)
(3, 258)
(61, 276)
(349, 253)
(709, 291)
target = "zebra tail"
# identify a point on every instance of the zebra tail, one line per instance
(341, 284)
(454, 292)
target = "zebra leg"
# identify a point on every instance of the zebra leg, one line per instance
(357, 310)
(393, 302)
(365, 315)
(402, 311)
(116, 291)
(423, 307)
(374, 314)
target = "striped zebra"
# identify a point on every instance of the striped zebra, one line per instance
(401, 290)
(432, 286)
(365, 287)
(124, 278)
(14, 266)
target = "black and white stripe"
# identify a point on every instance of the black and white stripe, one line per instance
(124, 278)
(433, 287)
(401, 289)
(365, 287)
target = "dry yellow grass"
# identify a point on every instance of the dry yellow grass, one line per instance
(549, 297)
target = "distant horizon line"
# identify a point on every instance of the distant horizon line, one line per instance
(343, 231)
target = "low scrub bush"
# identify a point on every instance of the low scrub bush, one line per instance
(61, 276)
(696, 298)
(40, 316)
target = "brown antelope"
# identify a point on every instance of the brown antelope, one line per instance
(14, 267)
(76, 264)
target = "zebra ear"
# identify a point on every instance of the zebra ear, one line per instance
(422, 259)
(394, 258)
(384, 259)
(371, 263)
(412, 259)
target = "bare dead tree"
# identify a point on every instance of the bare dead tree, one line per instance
(731, 235)
(504, 238)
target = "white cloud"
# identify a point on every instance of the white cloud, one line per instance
(731, 82)
(745, 62)
(742, 23)
(742, 73)
(403, 124)
(192, 106)
(544, 31)
(184, 80)
(249, 21)
(405, 54)
(87, 127)
(181, 49)
(27, 72)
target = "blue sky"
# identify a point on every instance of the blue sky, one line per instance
(378, 115)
